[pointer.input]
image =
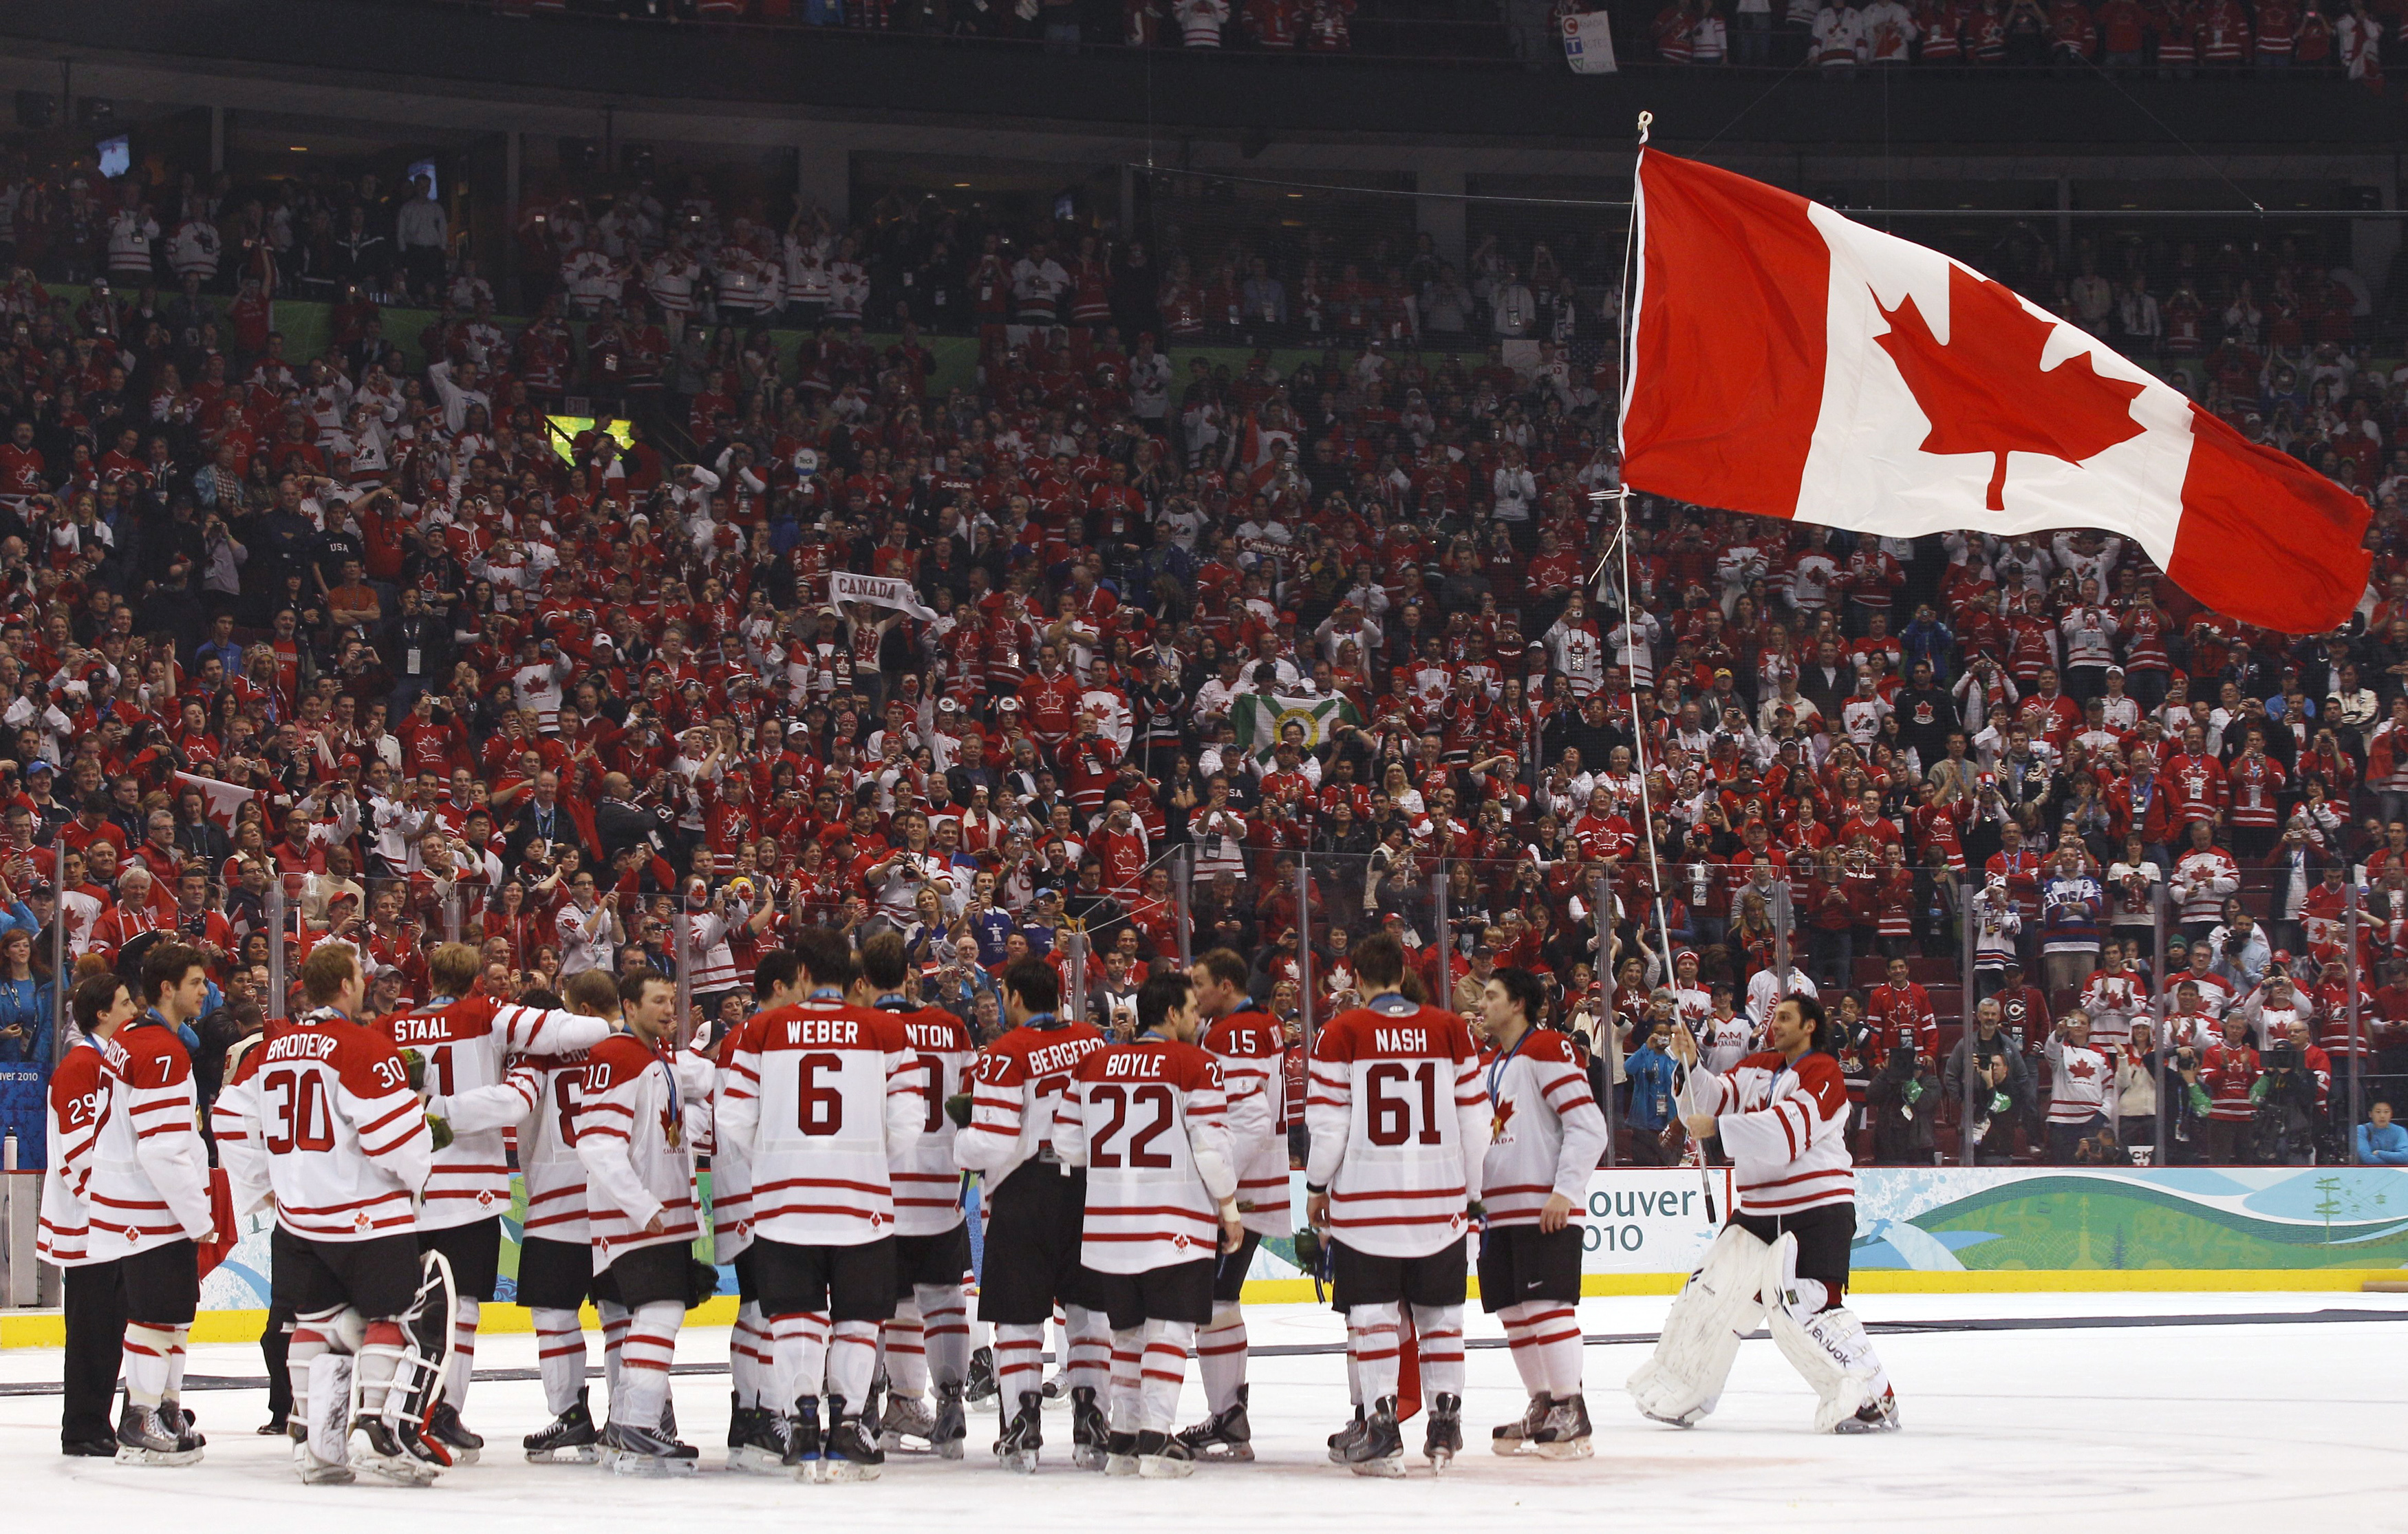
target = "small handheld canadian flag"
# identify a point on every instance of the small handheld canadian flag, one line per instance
(1788, 362)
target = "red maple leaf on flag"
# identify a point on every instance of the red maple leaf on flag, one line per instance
(1983, 388)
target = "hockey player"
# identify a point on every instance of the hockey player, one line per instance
(1782, 1116)
(639, 1110)
(757, 1429)
(1250, 1049)
(1146, 1121)
(1037, 1207)
(1399, 1128)
(94, 1280)
(149, 1199)
(320, 1119)
(932, 1235)
(555, 1248)
(822, 1091)
(462, 1042)
(1546, 1135)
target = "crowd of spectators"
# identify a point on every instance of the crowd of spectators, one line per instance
(365, 631)
(2169, 39)
(1277, 26)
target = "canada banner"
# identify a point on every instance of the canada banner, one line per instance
(1788, 362)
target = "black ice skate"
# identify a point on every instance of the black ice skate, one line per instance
(1023, 1435)
(1342, 1442)
(1444, 1440)
(1160, 1457)
(756, 1442)
(1089, 1434)
(1512, 1438)
(1381, 1449)
(906, 1417)
(980, 1386)
(443, 1424)
(952, 1427)
(851, 1451)
(630, 1450)
(572, 1439)
(803, 1447)
(145, 1437)
(1566, 1432)
(380, 1451)
(1224, 1435)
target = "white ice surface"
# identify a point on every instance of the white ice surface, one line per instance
(2197, 1428)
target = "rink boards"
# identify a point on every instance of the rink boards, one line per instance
(1918, 1230)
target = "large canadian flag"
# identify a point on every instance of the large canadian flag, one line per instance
(1789, 363)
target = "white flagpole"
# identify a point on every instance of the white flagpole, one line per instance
(1621, 543)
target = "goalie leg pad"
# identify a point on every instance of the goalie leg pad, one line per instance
(1721, 1303)
(424, 1358)
(326, 1409)
(1828, 1347)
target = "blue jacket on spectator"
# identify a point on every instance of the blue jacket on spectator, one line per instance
(1653, 1081)
(26, 1005)
(2385, 1147)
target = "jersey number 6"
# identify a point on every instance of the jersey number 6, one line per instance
(818, 1110)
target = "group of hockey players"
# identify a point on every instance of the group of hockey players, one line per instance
(1124, 1187)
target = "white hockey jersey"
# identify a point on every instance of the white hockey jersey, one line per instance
(322, 1119)
(1252, 1051)
(926, 1181)
(1148, 1121)
(636, 1116)
(149, 1180)
(1546, 1133)
(551, 1086)
(820, 1092)
(465, 1044)
(1400, 1126)
(79, 1096)
(1786, 1128)
(1013, 1090)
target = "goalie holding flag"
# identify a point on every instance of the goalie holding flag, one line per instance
(1783, 1117)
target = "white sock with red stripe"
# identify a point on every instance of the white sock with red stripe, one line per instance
(904, 1341)
(560, 1357)
(176, 1365)
(1091, 1350)
(1371, 1342)
(798, 1350)
(644, 1360)
(747, 1355)
(1354, 1370)
(614, 1341)
(146, 1348)
(852, 1362)
(1128, 1404)
(1523, 1344)
(1167, 1346)
(466, 1313)
(1221, 1356)
(1558, 1344)
(1019, 1364)
(1439, 1331)
(944, 1319)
